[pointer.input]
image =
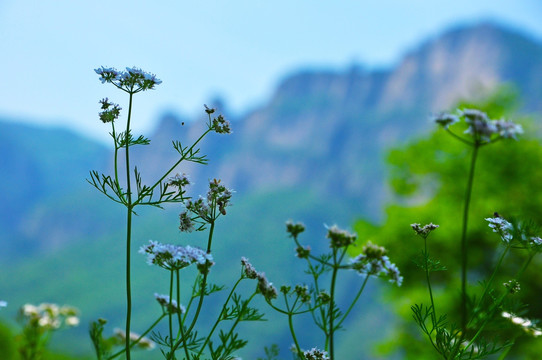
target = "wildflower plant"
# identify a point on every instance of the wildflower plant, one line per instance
(202, 214)
(39, 323)
(319, 301)
(478, 314)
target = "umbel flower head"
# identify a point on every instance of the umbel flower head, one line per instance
(480, 126)
(172, 257)
(132, 80)
(374, 261)
(315, 354)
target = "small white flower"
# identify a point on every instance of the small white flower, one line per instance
(3, 303)
(502, 227)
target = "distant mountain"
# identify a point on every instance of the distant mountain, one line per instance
(314, 152)
(328, 130)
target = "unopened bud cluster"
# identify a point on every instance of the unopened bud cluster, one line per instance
(110, 111)
(339, 238)
(294, 229)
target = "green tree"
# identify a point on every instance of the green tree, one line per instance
(428, 178)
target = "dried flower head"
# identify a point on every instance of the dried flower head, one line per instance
(266, 288)
(248, 270)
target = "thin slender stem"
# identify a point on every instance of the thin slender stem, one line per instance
(464, 252)
(170, 315)
(332, 306)
(179, 317)
(128, 232)
(354, 301)
(202, 294)
(292, 331)
(426, 260)
(224, 307)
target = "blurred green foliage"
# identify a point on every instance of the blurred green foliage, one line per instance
(428, 178)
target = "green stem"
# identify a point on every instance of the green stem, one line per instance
(170, 315)
(426, 260)
(332, 306)
(224, 307)
(175, 165)
(292, 331)
(179, 317)
(128, 233)
(202, 294)
(464, 249)
(354, 302)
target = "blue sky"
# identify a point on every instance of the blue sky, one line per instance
(238, 50)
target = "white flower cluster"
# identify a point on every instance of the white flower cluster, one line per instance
(502, 227)
(316, 354)
(526, 324)
(374, 261)
(481, 127)
(172, 257)
(170, 306)
(132, 80)
(506, 230)
(49, 316)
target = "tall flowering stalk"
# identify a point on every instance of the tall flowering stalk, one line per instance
(321, 302)
(131, 192)
(481, 131)
(465, 341)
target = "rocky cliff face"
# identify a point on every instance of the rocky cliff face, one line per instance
(328, 130)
